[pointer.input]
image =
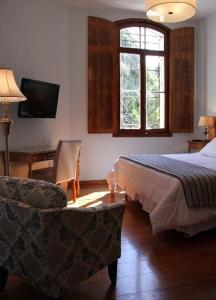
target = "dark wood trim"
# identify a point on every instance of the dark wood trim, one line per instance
(136, 22)
(102, 56)
(142, 91)
(143, 132)
(141, 51)
(182, 43)
(131, 133)
(93, 182)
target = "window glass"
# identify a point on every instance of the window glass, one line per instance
(141, 38)
(130, 91)
(155, 92)
(130, 37)
(154, 40)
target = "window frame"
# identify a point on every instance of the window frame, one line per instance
(143, 53)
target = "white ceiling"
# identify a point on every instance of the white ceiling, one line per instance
(204, 7)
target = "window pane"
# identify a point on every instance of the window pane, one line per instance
(143, 37)
(155, 92)
(129, 91)
(130, 37)
(154, 40)
(155, 111)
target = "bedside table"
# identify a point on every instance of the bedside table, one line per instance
(196, 145)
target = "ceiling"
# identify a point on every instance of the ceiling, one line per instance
(204, 7)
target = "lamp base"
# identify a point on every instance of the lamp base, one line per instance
(5, 128)
(206, 132)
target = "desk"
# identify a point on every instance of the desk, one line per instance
(30, 156)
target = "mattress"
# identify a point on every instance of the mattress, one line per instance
(162, 195)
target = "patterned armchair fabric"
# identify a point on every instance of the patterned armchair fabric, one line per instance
(36, 193)
(55, 248)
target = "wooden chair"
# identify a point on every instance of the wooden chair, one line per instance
(65, 167)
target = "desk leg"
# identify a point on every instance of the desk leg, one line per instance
(77, 181)
(3, 161)
(77, 184)
(29, 170)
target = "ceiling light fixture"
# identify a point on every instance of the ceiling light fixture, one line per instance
(169, 11)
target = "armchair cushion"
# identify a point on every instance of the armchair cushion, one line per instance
(36, 193)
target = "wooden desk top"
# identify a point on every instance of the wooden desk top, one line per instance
(33, 150)
(31, 155)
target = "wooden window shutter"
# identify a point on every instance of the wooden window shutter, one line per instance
(102, 74)
(182, 80)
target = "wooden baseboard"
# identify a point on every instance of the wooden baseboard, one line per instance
(93, 182)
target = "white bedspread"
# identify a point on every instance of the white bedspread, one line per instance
(162, 196)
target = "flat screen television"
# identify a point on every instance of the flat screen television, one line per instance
(42, 99)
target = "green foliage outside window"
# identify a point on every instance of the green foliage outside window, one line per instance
(130, 70)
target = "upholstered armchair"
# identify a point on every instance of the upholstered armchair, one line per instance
(52, 246)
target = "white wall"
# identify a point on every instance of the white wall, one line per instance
(47, 41)
(34, 37)
(209, 27)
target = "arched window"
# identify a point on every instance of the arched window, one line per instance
(140, 78)
(143, 106)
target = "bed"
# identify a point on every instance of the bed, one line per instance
(163, 195)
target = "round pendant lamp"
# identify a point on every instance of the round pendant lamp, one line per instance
(169, 11)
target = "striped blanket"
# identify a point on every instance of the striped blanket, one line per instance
(199, 183)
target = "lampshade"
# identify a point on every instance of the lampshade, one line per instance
(206, 121)
(9, 91)
(169, 11)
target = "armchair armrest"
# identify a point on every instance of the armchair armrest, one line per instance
(36, 193)
(87, 238)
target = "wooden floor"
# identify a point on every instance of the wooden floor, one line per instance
(161, 267)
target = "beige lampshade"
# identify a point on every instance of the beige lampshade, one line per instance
(9, 91)
(206, 121)
(169, 11)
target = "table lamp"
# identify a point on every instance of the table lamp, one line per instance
(206, 122)
(9, 92)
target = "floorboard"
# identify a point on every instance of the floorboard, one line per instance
(166, 266)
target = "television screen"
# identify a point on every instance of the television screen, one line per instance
(42, 99)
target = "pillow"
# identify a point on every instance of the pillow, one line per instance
(209, 149)
(35, 193)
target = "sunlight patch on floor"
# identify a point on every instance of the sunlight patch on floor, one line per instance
(121, 192)
(89, 200)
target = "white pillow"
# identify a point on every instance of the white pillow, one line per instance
(209, 149)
